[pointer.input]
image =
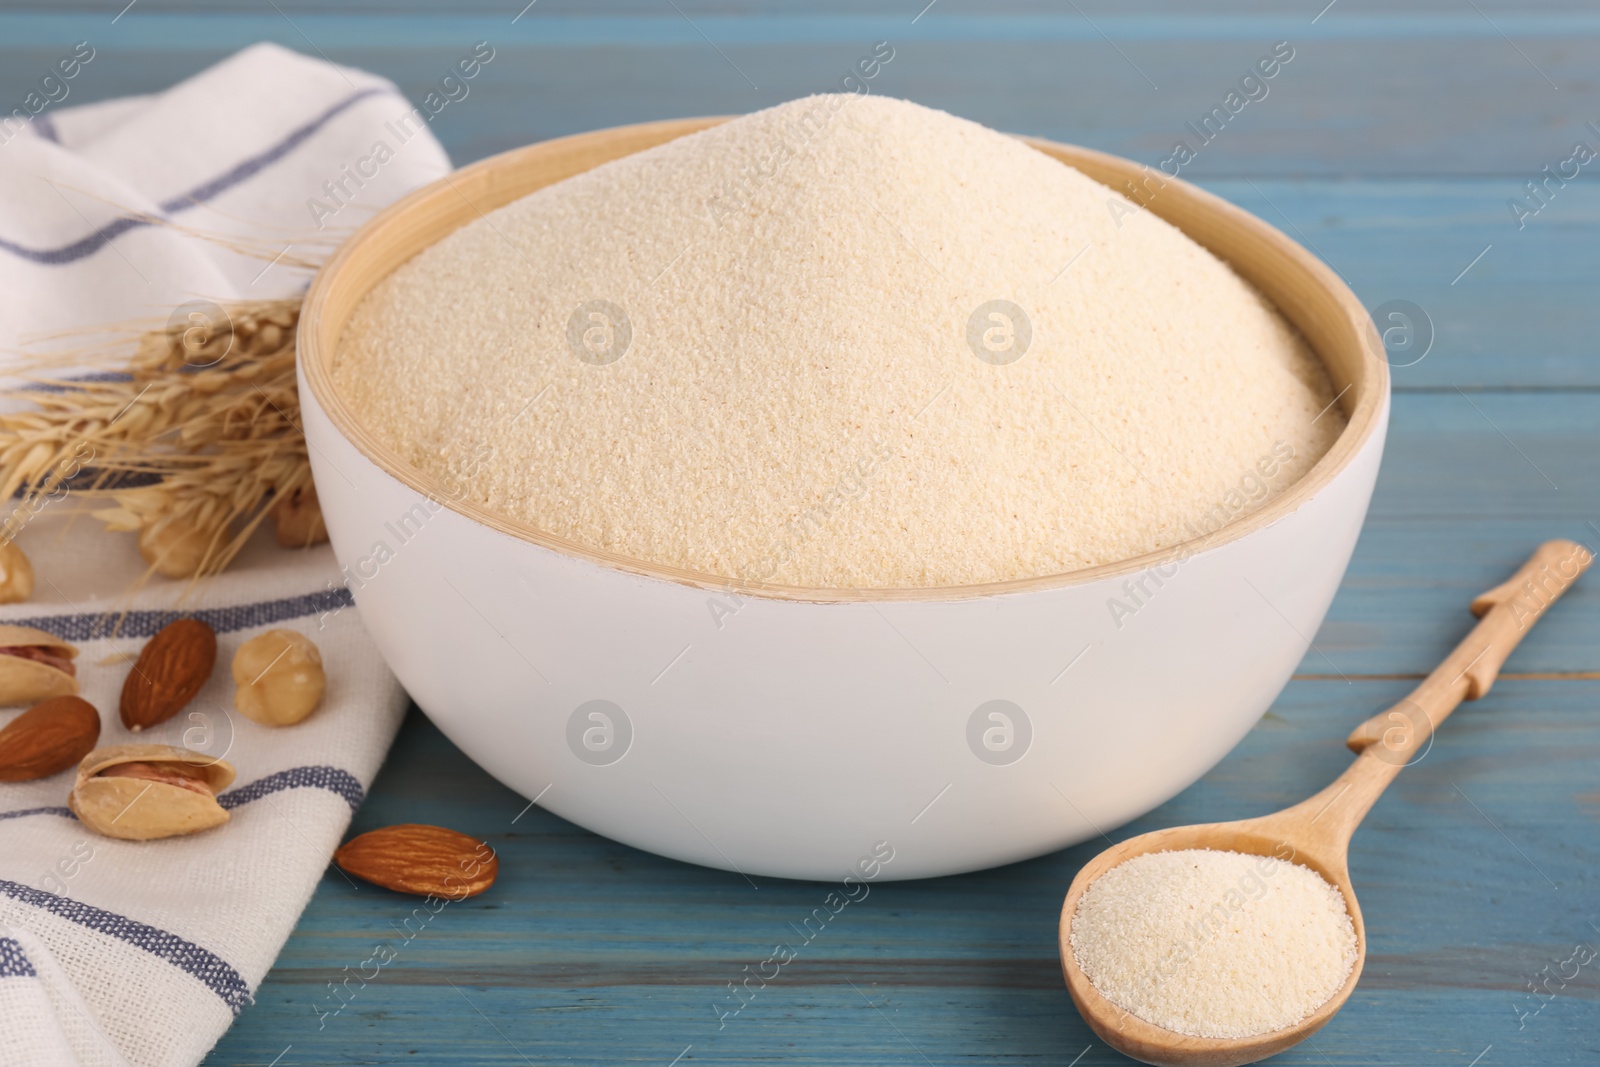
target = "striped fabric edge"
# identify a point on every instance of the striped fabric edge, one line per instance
(91, 625)
(196, 196)
(64, 812)
(14, 963)
(66, 381)
(45, 127)
(335, 780)
(211, 970)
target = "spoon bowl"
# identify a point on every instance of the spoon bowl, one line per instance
(1316, 832)
(1276, 836)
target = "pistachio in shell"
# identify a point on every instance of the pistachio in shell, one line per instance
(144, 792)
(34, 666)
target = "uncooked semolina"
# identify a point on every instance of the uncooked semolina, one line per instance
(1212, 943)
(843, 342)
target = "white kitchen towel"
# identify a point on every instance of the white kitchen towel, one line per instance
(268, 146)
(117, 952)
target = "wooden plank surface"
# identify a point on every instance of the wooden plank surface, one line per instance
(1391, 145)
(1443, 119)
(588, 952)
(1362, 95)
(1480, 867)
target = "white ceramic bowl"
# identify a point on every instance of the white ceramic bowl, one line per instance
(811, 733)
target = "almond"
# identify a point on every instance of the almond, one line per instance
(169, 672)
(423, 860)
(47, 739)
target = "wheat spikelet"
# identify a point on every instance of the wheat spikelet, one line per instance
(189, 443)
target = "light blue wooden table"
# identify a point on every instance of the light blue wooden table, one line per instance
(1391, 146)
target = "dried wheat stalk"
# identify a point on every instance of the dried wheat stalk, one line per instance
(190, 446)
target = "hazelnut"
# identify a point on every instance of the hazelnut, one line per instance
(178, 547)
(16, 574)
(297, 519)
(280, 678)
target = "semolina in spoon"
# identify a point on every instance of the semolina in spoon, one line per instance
(1316, 832)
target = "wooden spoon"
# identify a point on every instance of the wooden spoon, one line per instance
(1316, 832)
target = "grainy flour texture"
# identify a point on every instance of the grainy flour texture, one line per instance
(1214, 944)
(843, 342)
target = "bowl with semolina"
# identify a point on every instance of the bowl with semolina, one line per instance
(838, 481)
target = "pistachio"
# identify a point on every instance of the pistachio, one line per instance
(16, 573)
(280, 677)
(143, 792)
(34, 665)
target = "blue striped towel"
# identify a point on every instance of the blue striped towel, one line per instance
(117, 952)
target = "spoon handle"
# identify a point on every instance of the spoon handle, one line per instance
(1506, 613)
(1392, 738)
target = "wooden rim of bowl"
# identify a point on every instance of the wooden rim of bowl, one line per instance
(1301, 287)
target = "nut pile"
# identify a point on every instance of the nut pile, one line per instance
(142, 792)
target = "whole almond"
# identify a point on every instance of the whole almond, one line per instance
(423, 860)
(47, 739)
(169, 672)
